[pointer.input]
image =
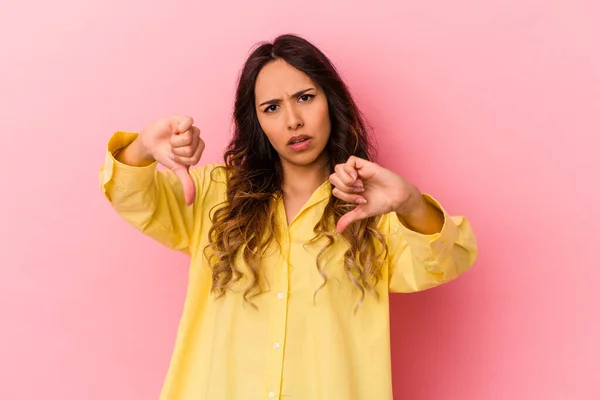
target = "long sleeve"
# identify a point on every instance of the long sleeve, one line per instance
(418, 262)
(148, 198)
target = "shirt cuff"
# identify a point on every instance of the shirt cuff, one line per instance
(432, 248)
(124, 178)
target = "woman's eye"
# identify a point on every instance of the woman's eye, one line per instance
(306, 97)
(271, 108)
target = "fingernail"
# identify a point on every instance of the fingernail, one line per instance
(353, 175)
(358, 190)
(171, 156)
(361, 200)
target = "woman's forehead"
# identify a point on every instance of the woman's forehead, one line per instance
(278, 79)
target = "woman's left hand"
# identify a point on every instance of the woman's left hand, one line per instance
(375, 189)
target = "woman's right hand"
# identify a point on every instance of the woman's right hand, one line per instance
(175, 143)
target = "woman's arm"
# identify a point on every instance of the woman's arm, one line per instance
(150, 200)
(419, 261)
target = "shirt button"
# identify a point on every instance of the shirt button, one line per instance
(271, 394)
(275, 345)
(280, 295)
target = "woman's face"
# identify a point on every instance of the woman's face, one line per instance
(293, 112)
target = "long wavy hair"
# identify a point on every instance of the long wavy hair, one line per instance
(245, 222)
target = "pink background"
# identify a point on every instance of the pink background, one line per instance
(491, 106)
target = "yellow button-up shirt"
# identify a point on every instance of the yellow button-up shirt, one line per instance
(293, 345)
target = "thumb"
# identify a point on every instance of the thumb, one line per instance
(182, 172)
(189, 190)
(351, 216)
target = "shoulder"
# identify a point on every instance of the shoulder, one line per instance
(210, 181)
(215, 172)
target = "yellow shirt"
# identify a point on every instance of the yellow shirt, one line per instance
(291, 347)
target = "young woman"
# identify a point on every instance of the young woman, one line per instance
(295, 241)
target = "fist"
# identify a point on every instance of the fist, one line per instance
(174, 142)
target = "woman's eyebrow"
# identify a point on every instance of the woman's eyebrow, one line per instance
(275, 101)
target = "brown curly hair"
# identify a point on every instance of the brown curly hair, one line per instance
(246, 220)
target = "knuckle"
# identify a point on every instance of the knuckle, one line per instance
(188, 120)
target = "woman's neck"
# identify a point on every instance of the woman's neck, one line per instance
(302, 181)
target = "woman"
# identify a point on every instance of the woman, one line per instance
(295, 241)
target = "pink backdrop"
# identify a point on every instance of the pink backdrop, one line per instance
(491, 106)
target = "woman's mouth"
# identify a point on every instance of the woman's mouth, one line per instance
(300, 143)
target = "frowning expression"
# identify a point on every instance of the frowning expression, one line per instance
(293, 112)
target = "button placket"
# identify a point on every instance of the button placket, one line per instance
(278, 324)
